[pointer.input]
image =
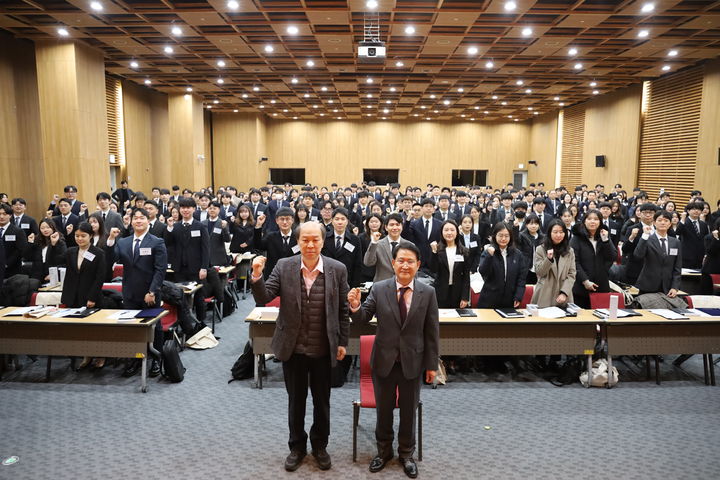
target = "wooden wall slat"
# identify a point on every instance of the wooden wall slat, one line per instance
(572, 146)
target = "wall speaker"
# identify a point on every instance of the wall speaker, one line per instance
(600, 161)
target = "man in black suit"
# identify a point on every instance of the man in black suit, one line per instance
(443, 212)
(66, 221)
(190, 241)
(24, 222)
(71, 195)
(201, 214)
(613, 226)
(423, 231)
(406, 345)
(308, 200)
(123, 195)
(14, 241)
(553, 203)
(156, 227)
(538, 208)
(276, 204)
(278, 244)
(164, 204)
(693, 234)
(462, 206)
(343, 246)
(661, 257)
(646, 213)
(219, 235)
(255, 204)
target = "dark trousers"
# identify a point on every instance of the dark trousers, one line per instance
(199, 301)
(298, 371)
(135, 305)
(407, 399)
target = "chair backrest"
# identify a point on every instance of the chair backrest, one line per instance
(602, 300)
(275, 302)
(33, 299)
(367, 392)
(689, 301)
(171, 318)
(112, 286)
(118, 270)
(529, 290)
(474, 298)
(715, 278)
(618, 260)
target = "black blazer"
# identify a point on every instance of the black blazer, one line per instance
(692, 242)
(72, 220)
(353, 260)
(660, 271)
(367, 272)
(527, 244)
(242, 234)
(417, 234)
(473, 252)
(27, 225)
(85, 284)
(218, 236)
(261, 207)
(55, 257)
(158, 229)
(109, 258)
(192, 247)
(450, 215)
(16, 244)
(145, 273)
(614, 230)
(272, 243)
(499, 290)
(591, 264)
(712, 255)
(460, 279)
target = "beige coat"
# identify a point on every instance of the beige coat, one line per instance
(553, 277)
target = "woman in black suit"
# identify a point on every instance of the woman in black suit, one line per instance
(530, 238)
(450, 264)
(594, 255)
(711, 265)
(47, 250)
(503, 287)
(470, 241)
(242, 230)
(85, 272)
(99, 240)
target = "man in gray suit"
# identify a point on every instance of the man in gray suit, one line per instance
(379, 252)
(110, 218)
(311, 334)
(406, 344)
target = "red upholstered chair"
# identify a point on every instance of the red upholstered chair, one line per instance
(618, 260)
(688, 300)
(33, 299)
(715, 277)
(529, 290)
(367, 394)
(474, 299)
(275, 302)
(118, 271)
(602, 300)
(113, 286)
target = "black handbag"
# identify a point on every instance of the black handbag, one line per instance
(171, 366)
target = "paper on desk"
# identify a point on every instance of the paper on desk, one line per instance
(64, 312)
(694, 312)
(124, 315)
(620, 313)
(266, 312)
(448, 313)
(686, 271)
(665, 313)
(551, 312)
(21, 311)
(476, 282)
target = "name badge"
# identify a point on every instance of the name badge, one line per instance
(459, 258)
(673, 251)
(9, 238)
(194, 233)
(145, 251)
(295, 248)
(89, 256)
(24, 225)
(217, 230)
(613, 231)
(349, 247)
(473, 244)
(314, 219)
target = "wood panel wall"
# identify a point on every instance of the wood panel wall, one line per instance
(187, 138)
(238, 144)
(707, 176)
(543, 149)
(572, 146)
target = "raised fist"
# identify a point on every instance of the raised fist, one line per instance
(375, 236)
(69, 228)
(491, 251)
(54, 237)
(354, 298)
(433, 247)
(550, 254)
(260, 220)
(258, 265)
(114, 232)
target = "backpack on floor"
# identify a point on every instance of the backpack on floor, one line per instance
(171, 366)
(243, 368)
(569, 372)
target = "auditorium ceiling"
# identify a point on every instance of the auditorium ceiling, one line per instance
(446, 60)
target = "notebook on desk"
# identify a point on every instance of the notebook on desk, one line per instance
(466, 312)
(509, 313)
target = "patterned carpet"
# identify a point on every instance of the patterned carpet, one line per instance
(97, 425)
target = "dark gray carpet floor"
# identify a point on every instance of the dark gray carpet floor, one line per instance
(97, 425)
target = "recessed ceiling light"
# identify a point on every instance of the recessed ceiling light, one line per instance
(233, 4)
(336, 110)
(388, 101)
(97, 6)
(235, 111)
(578, 66)
(368, 80)
(595, 92)
(292, 30)
(63, 32)
(672, 53)
(527, 31)
(209, 106)
(460, 89)
(322, 114)
(221, 63)
(310, 63)
(316, 106)
(176, 30)
(494, 97)
(432, 96)
(369, 95)
(244, 95)
(536, 113)
(371, 4)
(324, 89)
(393, 89)
(666, 68)
(472, 119)
(269, 48)
(528, 91)
(593, 84)
(368, 106)
(428, 118)
(385, 110)
(307, 95)
(562, 104)
(168, 49)
(216, 102)
(134, 64)
(188, 89)
(294, 80)
(148, 81)
(220, 81)
(331, 101)
(463, 115)
(261, 106)
(285, 110)
(477, 107)
(648, 7)
(556, 99)
(530, 108)
(573, 51)
(399, 64)
(446, 102)
(409, 29)
(503, 103)
(643, 33)
(519, 82)
(295, 118)
(509, 116)
(486, 112)
(416, 114)
(489, 65)
(517, 120)
(256, 89)
(510, 6)
(472, 50)
(272, 101)
(436, 111)
(274, 114)
(423, 107)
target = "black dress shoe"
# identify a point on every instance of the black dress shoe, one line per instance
(294, 460)
(378, 463)
(155, 369)
(322, 458)
(132, 369)
(409, 467)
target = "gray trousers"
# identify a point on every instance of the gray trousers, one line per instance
(408, 395)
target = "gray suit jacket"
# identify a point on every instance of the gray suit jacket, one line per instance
(380, 255)
(286, 281)
(417, 342)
